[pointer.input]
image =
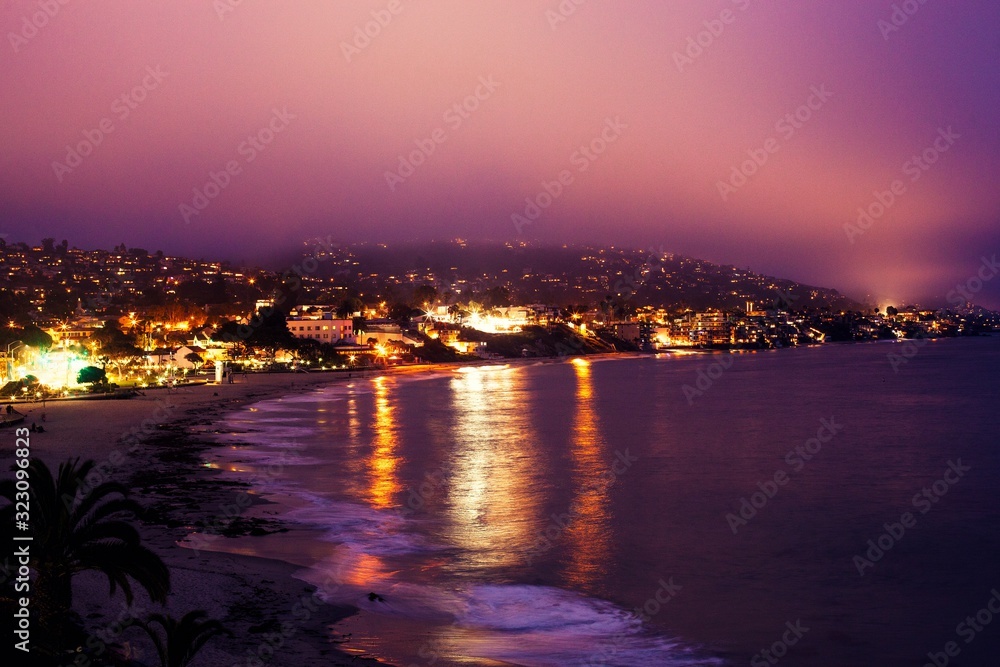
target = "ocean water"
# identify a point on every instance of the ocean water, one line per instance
(600, 513)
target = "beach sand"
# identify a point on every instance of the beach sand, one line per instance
(155, 445)
(150, 444)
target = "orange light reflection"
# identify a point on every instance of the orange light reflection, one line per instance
(384, 484)
(587, 536)
(493, 497)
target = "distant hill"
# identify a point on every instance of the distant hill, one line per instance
(570, 275)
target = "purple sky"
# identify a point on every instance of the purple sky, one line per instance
(671, 120)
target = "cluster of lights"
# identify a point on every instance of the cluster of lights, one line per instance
(56, 368)
(491, 324)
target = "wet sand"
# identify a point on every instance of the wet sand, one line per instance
(150, 444)
(154, 445)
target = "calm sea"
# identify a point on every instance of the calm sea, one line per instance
(796, 507)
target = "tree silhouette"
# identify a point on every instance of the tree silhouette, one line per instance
(177, 642)
(91, 375)
(76, 528)
(348, 307)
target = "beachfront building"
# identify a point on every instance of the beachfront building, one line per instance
(207, 355)
(322, 325)
(713, 328)
(446, 332)
(451, 335)
(177, 357)
(157, 357)
(77, 333)
(476, 347)
(385, 332)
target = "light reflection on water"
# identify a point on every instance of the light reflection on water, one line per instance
(492, 507)
(353, 422)
(589, 529)
(384, 459)
(517, 445)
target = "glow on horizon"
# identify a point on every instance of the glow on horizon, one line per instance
(353, 118)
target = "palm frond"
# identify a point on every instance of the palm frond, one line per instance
(75, 528)
(121, 561)
(95, 496)
(106, 530)
(178, 642)
(115, 506)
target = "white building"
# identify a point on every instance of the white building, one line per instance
(383, 332)
(321, 326)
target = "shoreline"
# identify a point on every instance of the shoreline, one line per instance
(154, 444)
(151, 445)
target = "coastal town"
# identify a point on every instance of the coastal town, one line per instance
(477, 334)
(94, 321)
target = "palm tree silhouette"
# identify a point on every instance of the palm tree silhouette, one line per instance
(76, 529)
(177, 642)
